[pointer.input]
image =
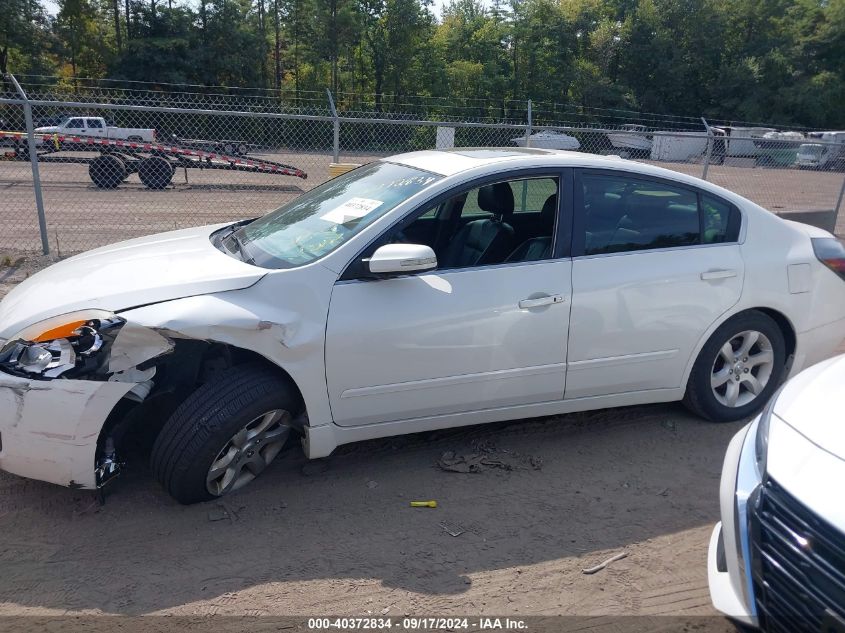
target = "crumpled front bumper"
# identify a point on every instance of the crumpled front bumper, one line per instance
(49, 428)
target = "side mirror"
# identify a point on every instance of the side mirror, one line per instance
(402, 258)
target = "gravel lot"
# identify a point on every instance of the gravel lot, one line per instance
(81, 217)
(337, 536)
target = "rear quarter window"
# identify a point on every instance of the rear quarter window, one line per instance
(720, 221)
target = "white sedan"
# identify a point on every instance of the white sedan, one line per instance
(423, 291)
(777, 559)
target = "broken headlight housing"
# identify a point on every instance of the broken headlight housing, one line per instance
(69, 345)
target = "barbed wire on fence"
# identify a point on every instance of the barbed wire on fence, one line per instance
(171, 159)
(361, 105)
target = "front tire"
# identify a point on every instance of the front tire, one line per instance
(224, 434)
(738, 369)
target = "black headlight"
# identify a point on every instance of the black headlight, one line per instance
(68, 346)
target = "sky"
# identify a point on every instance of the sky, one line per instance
(52, 8)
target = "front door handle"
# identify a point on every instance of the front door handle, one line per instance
(541, 301)
(718, 274)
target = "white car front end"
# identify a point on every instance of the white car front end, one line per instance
(777, 558)
(50, 423)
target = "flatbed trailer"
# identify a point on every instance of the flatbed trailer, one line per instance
(155, 163)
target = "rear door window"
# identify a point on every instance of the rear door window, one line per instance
(624, 213)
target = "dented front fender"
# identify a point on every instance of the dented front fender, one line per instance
(282, 318)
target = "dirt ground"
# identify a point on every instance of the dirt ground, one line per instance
(337, 536)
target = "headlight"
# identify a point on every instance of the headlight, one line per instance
(73, 343)
(761, 440)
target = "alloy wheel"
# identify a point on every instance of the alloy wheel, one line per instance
(248, 452)
(742, 368)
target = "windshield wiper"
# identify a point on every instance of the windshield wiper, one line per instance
(241, 248)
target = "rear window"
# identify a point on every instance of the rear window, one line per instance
(625, 213)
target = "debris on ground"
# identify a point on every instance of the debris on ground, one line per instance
(452, 529)
(372, 484)
(423, 504)
(485, 455)
(603, 564)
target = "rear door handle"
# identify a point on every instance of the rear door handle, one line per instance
(541, 301)
(718, 274)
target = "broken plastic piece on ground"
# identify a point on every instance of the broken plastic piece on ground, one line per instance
(484, 457)
(423, 504)
(453, 529)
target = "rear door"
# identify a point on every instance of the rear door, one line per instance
(655, 264)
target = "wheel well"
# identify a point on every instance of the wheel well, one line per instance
(785, 327)
(133, 426)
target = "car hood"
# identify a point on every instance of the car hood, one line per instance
(49, 129)
(812, 404)
(127, 274)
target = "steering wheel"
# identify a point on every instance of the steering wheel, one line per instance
(399, 237)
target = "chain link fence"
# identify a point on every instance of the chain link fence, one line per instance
(99, 165)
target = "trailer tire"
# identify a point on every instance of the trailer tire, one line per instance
(107, 171)
(155, 172)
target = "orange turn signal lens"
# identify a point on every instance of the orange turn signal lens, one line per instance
(63, 331)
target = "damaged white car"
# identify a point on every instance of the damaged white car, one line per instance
(423, 291)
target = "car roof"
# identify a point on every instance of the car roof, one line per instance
(450, 162)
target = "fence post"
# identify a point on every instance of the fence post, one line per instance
(33, 160)
(336, 125)
(838, 205)
(709, 150)
(528, 126)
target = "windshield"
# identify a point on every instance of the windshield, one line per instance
(319, 221)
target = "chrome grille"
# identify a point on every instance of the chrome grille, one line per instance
(798, 564)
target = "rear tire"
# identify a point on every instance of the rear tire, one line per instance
(202, 434)
(738, 369)
(107, 171)
(155, 172)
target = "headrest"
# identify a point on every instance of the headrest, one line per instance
(549, 210)
(496, 199)
(642, 209)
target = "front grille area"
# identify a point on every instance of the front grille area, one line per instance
(797, 563)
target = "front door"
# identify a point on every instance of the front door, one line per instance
(487, 329)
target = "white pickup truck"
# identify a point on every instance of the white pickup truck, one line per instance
(96, 126)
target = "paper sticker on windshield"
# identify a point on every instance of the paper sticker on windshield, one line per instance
(352, 209)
